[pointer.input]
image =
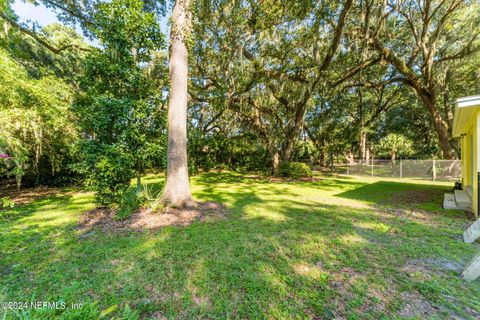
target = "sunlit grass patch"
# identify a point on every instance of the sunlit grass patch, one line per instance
(352, 248)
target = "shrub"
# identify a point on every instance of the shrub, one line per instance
(129, 201)
(108, 170)
(6, 203)
(295, 170)
(151, 198)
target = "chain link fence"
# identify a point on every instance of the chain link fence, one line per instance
(442, 170)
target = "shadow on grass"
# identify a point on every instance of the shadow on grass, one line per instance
(278, 256)
(25, 210)
(396, 193)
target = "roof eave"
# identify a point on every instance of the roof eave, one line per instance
(463, 112)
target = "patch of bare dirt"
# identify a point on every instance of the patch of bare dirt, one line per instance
(416, 196)
(343, 283)
(410, 214)
(145, 219)
(415, 306)
(428, 265)
(155, 296)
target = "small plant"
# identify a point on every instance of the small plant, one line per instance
(129, 201)
(295, 170)
(151, 198)
(6, 203)
(132, 199)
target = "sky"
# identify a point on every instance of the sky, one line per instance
(28, 12)
(40, 14)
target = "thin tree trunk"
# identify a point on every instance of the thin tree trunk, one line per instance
(18, 179)
(351, 157)
(177, 187)
(139, 175)
(363, 146)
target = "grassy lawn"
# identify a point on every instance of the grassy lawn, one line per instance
(329, 248)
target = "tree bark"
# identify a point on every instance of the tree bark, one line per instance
(363, 146)
(276, 163)
(440, 125)
(177, 187)
(425, 92)
(139, 175)
(18, 179)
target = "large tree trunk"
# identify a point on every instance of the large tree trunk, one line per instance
(276, 163)
(440, 125)
(293, 132)
(426, 94)
(177, 187)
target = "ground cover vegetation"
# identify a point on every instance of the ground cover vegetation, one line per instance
(327, 248)
(267, 83)
(175, 146)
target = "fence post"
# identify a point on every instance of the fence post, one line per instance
(434, 170)
(371, 161)
(401, 169)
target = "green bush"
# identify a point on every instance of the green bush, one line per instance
(6, 203)
(150, 197)
(108, 170)
(295, 170)
(131, 199)
(128, 201)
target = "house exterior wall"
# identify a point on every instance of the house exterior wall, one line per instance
(468, 157)
(470, 143)
(476, 158)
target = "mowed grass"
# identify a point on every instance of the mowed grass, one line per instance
(331, 248)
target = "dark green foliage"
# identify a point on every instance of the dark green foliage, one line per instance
(221, 151)
(128, 202)
(283, 251)
(295, 170)
(37, 127)
(108, 170)
(282, 92)
(118, 108)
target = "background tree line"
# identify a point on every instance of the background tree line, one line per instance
(268, 83)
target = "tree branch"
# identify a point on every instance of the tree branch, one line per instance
(337, 36)
(44, 42)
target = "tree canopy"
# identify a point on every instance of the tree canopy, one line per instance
(268, 82)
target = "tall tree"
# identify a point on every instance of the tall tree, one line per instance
(117, 108)
(177, 187)
(267, 61)
(420, 39)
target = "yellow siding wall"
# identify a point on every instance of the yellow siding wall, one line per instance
(469, 144)
(476, 157)
(467, 158)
